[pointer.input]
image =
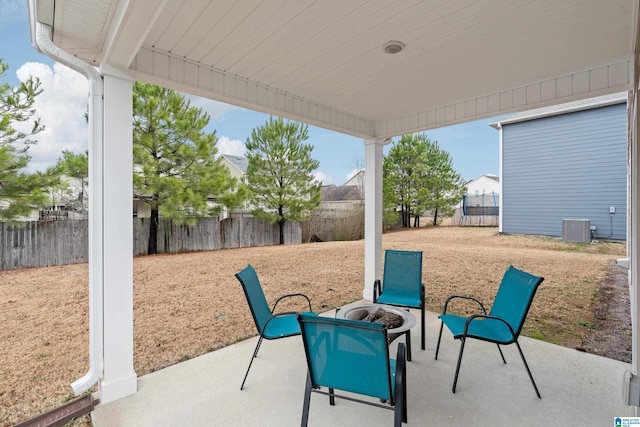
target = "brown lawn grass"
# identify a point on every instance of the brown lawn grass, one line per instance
(189, 304)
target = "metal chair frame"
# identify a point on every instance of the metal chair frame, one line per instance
(246, 276)
(397, 401)
(378, 292)
(531, 282)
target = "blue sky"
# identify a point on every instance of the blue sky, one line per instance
(473, 146)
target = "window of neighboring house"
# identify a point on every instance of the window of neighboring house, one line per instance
(477, 192)
(135, 210)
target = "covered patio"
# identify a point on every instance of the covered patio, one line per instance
(577, 389)
(367, 68)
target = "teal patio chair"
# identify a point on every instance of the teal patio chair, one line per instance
(402, 285)
(503, 323)
(353, 356)
(270, 325)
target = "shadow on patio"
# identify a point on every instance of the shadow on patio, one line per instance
(576, 388)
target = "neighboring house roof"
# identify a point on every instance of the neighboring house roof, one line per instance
(357, 179)
(569, 107)
(496, 178)
(238, 161)
(337, 193)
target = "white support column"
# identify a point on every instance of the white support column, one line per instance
(500, 141)
(633, 203)
(632, 234)
(119, 379)
(372, 214)
(634, 222)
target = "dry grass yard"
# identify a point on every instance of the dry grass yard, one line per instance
(189, 304)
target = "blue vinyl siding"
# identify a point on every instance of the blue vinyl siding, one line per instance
(572, 165)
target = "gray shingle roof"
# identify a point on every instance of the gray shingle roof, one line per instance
(238, 161)
(336, 193)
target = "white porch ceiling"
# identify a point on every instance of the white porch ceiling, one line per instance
(322, 61)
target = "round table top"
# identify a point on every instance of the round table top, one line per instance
(350, 313)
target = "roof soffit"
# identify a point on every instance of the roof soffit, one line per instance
(322, 62)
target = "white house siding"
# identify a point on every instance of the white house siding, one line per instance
(235, 165)
(357, 179)
(483, 185)
(141, 209)
(572, 165)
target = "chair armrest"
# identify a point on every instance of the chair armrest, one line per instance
(401, 371)
(452, 297)
(484, 316)
(276, 315)
(290, 296)
(377, 290)
(401, 355)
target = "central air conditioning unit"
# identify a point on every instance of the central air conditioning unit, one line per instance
(576, 230)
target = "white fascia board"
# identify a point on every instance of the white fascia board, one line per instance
(603, 80)
(162, 68)
(129, 27)
(158, 67)
(39, 11)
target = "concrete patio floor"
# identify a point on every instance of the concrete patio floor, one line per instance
(577, 389)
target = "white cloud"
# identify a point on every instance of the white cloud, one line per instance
(232, 147)
(61, 108)
(322, 177)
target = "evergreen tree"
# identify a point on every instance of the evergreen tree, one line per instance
(279, 173)
(21, 192)
(419, 176)
(446, 186)
(75, 166)
(176, 171)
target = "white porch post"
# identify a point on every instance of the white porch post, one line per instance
(500, 148)
(372, 214)
(633, 221)
(119, 378)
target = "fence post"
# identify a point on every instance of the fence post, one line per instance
(3, 244)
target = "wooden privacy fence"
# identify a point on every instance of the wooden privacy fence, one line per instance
(328, 225)
(42, 244)
(212, 234)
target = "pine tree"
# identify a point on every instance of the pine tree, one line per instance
(21, 192)
(446, 186)
(176, 171)
(419, 176)
(279, 173)
(75, 166)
